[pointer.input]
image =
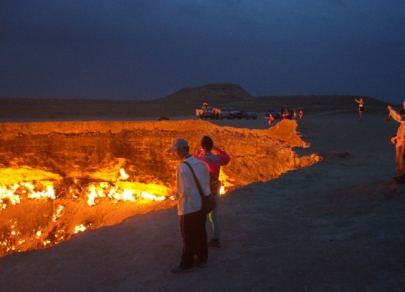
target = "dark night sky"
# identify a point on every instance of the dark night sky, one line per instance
(147, 49)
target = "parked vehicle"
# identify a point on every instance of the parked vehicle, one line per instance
(275, 112)
(230, 113)
(247, 114)
(206, 113)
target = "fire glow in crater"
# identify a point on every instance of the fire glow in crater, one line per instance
(61, 178)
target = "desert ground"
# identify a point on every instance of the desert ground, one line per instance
(337, 225)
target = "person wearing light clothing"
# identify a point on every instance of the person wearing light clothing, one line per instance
(192, 219)
(399, 141)
(361, 107)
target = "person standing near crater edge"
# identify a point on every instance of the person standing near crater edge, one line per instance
(399, 140)
(214, 161)
(192, 219)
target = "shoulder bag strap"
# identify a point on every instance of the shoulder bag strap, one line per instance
(195, 178)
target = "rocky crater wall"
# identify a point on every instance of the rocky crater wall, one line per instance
(72, 155)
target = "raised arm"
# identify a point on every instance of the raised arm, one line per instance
(396, 116)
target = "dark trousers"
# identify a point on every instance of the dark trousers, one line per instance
(194, 237)
(399, 160)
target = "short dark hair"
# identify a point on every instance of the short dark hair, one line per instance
(207, 143)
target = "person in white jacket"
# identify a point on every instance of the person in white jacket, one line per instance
(192, 219)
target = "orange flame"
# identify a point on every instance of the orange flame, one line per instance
(28, 184)
(226, 183)
(120, 190)
(80, 228)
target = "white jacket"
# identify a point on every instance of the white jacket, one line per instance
(188, 195)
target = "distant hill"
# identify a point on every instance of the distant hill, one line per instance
(218, 95)
(211, 92)
(180, 103)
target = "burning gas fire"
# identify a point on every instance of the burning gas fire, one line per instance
(115, 191)
(80, 228)
(13, 237)
(33, 190)
(226, 183)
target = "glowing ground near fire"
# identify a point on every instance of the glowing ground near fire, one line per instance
(61, 178)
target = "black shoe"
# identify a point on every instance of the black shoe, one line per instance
(200, 264)
(181, 270)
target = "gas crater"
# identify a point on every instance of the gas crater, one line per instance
(61, 178)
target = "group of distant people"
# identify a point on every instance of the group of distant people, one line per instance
(287, 115)
(215, 112)
(205, 166)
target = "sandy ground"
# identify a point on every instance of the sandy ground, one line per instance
(338, 225)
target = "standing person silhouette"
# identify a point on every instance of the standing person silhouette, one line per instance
(301, 114)
(361, 107)
(214, 161)
(271, 119)
(399, 140)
